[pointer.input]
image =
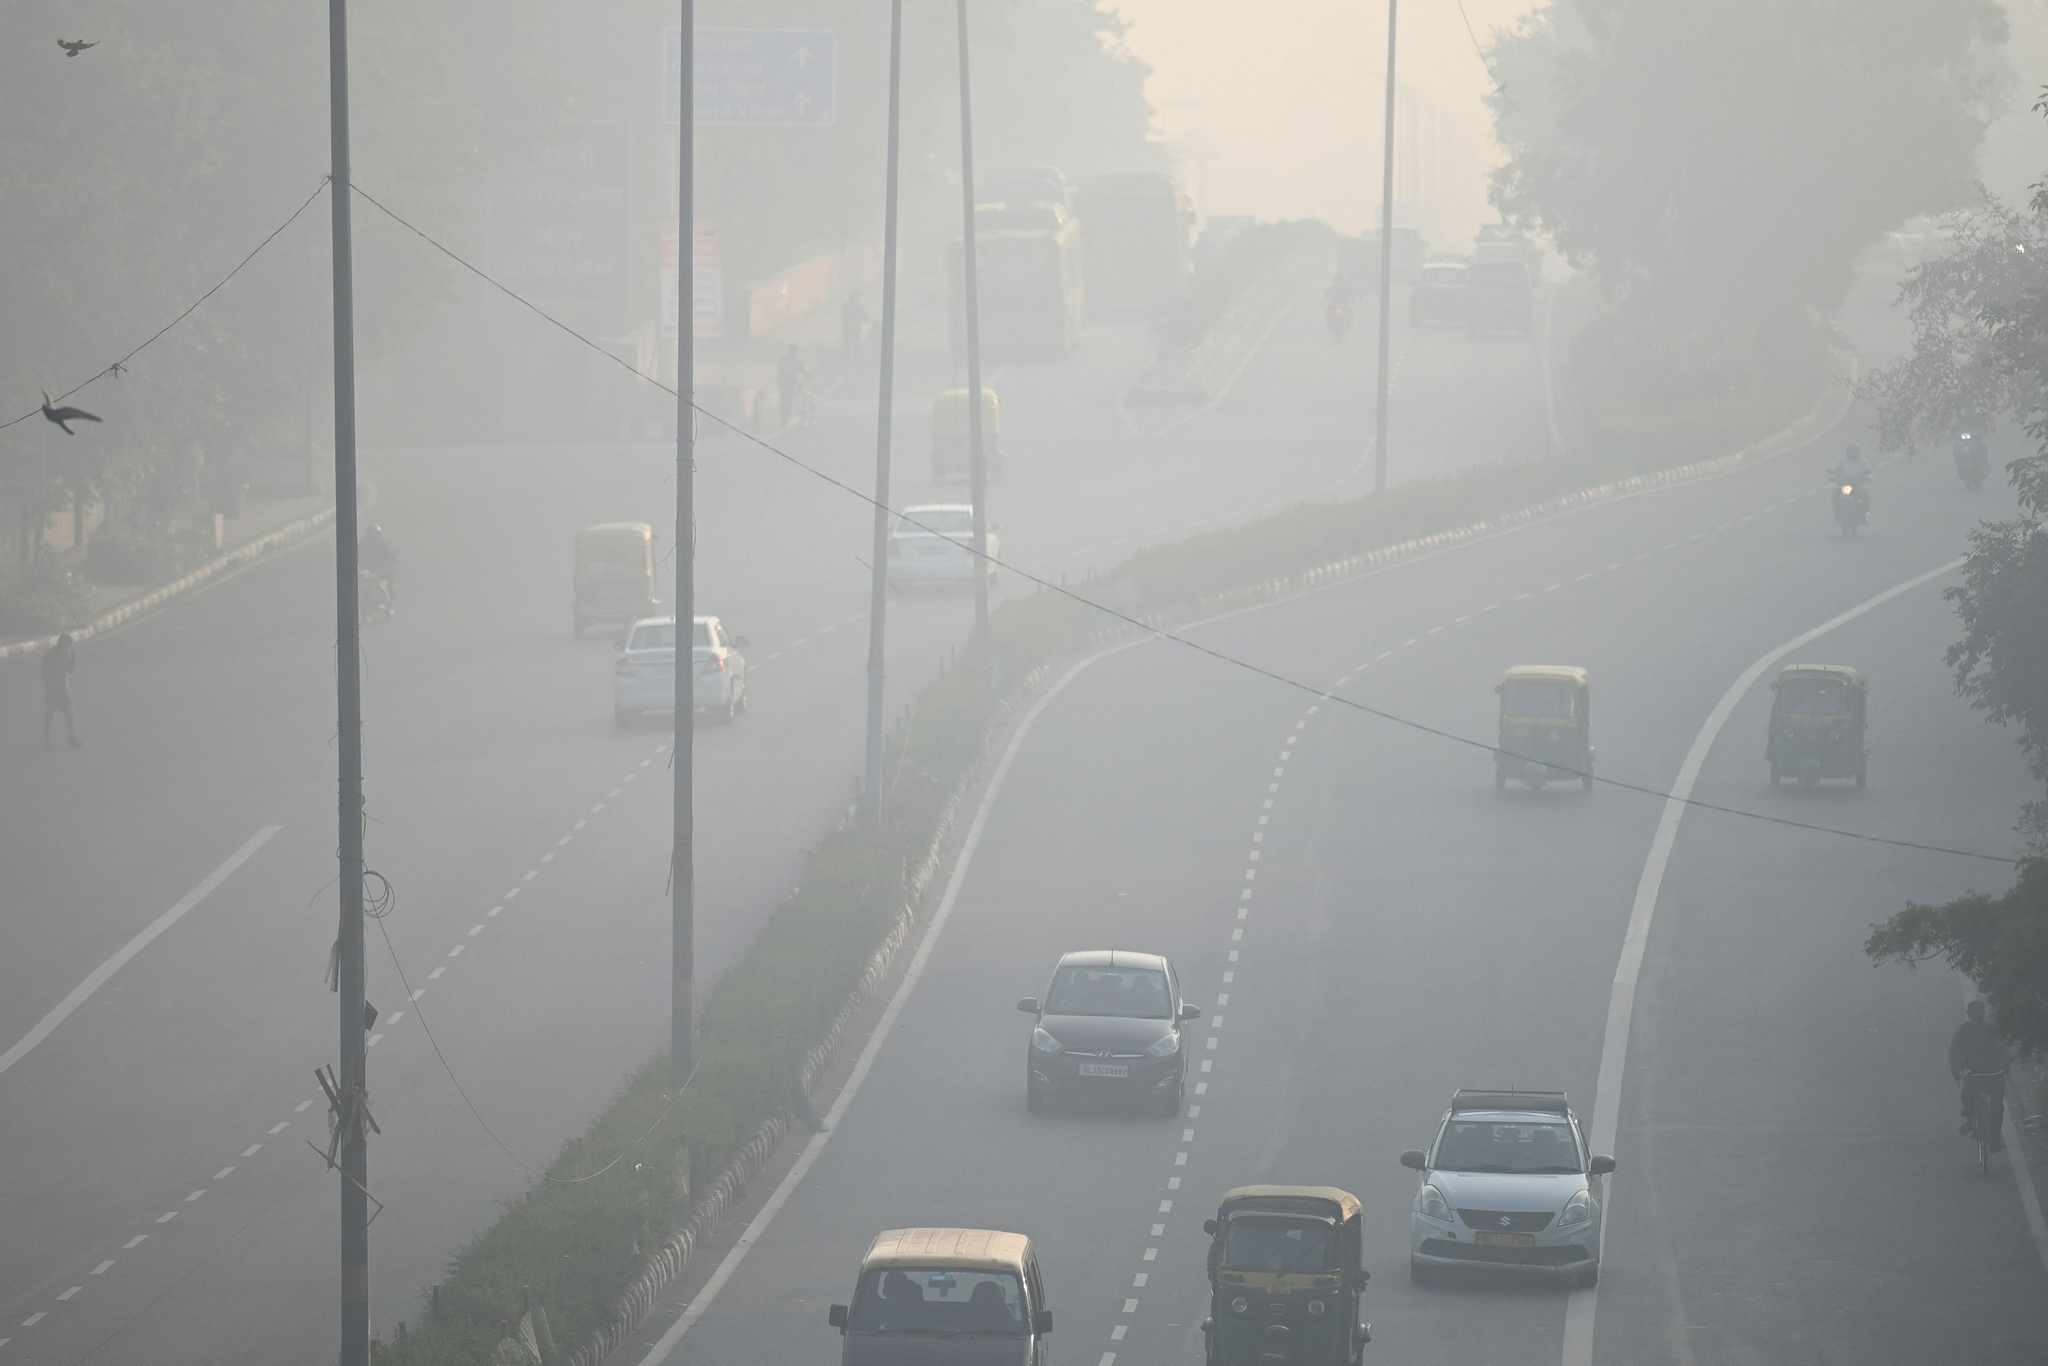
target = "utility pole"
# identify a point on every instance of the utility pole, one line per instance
(977, 463)
(682, 873)
(1379, 417)
(350, 1105)
(878, 592)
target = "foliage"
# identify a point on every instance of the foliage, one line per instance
(37, 601)
(2000, 943)
(2001, 662)
(1721, 165)
(146, 554)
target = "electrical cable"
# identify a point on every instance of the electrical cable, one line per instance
(121, 364)
(1160, 632)
(1480, 52)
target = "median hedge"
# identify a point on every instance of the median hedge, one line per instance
(574, 1244)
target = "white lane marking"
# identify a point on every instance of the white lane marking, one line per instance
(280, 1127)
(476, 929)
(1151, 1254)
(456, 951)
(1180, 1159)
(222, 1174)
(436, 972)
(374, 1040)
(396, 1016)
(166, 1218)
(494, 910)
(1173, 1183)
(566, 838)
(1582, 1307)
(1116, 1334)
(417, 992)
(1109, 1357)
(548, 857)
(101, 1269)
(1130, 1306)
(195, 1195)
(72, 1291)
(580, 824)
(302, 1107)
(534, 873)
(695, 1310)
(252, 1150)
(510, 893)
(135, 1240)
(99, 976)
(1432, 630)
(36, 1317)
(1187, 1135)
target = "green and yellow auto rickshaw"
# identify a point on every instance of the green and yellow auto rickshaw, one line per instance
(951, 452)
(1285, 1278)
(614, 574)
(1817, 724)
(1546, 726)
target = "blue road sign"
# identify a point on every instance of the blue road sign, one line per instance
(559, 223)
(754, 76)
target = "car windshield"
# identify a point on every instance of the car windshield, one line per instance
(1133, 993)
(1444, 275)
(1539, 697)
(1813, 697)
(1275, 1243)
(662, 636)
(921, 1301)
(945, 521)
(1488, 1145)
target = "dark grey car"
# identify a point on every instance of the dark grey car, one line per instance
(1110, 1026)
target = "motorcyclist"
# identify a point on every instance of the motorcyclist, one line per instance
(1851, 469)
(790, 378)
(1976, 1048)
(374, 553)
(1341, 293)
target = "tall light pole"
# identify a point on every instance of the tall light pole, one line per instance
(682, 1028)
(1379, 417)
(878, 591)
(351, 1084)
(977, 462)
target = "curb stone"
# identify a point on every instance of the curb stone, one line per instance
(135, 607)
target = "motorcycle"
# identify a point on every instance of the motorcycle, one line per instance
(373, 597)
(1337, 316)
(1973, 461)
(1852, 505)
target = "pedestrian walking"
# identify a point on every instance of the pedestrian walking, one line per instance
(853, 324)
(59, 662)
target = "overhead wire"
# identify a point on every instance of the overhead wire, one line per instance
(1160, 632)
(117, 366)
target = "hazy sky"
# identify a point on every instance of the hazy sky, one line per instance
(1292, 122)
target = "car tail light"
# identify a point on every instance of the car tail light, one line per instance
(714, 665)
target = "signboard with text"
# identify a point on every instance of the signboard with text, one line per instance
(559, 222)
(757, 77)
(707, 280)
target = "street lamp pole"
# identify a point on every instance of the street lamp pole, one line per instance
(1379, 443)
(878, 590)
(977, 462)
(682, 1045)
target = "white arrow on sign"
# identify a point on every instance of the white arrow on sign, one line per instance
(802, 102)
(802, 56)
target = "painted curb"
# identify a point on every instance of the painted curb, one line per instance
(135, 607)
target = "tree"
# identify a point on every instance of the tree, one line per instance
(2000, 943)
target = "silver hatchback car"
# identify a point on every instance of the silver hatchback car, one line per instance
(644, 678)
(1509, 1185)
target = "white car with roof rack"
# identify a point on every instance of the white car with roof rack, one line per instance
(1509, 1185)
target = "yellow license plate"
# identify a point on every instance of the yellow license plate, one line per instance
(1505, 1239)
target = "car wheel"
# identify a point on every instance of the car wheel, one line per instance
(1170, 1103)
(740, 706)
(1776, 776)
(1586, 1280)
(1417, 1272)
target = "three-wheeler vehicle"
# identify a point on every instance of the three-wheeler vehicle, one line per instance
(1817, 724)
(614, 575)
(951, 451)
(1546, 726)
(1285, 1278)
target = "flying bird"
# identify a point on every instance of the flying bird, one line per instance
(73, 46)
(64, 417)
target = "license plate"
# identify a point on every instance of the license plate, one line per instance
(1505, 1239)
(1105, 1069)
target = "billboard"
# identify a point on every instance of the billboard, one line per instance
(559, 228)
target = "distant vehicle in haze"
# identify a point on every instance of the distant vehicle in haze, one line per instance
(614, 574)
(1819, 717)
(933, 544)
(1501, 298)
(1546, 726)
(1134, 239)
(953, 439)
(1108, 1026)
(1338, 315)
(1028, 264)
(1442, 293)
(1499, 242)
(1852, 503)
(644, 679)
(1411, 252)
(1025, 185)
(946, 1297)
(1973, 454)
(1510, 1184)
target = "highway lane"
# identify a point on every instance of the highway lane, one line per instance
(489, 744)
(1411, 931)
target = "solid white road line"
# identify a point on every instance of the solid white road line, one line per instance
(1621, 1003)
(100, 975)
(666, 1344)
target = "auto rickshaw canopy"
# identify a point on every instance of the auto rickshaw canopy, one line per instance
(1343, 1206)
(615, 550)
(1832, 673)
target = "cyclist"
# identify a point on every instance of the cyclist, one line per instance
(1976, 1048)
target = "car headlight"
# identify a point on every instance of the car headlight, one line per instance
(1315, 1309)
(1044, 1042)
(1848, 489)
(1240, 1305)
(1430, 1204)
(1165, 1046)
(1578, 1209)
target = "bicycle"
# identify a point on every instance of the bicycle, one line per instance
(1987, 1107)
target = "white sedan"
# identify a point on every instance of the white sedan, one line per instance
(934, 544)
(644, 679)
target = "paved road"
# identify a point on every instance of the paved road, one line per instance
(1790, 1187)
(156, 1137)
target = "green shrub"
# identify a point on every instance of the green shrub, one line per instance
(147, 555)
(36, 602)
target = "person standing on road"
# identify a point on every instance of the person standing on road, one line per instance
(853, 324)
(1975, 1047)
(790, 378)
(59, 661)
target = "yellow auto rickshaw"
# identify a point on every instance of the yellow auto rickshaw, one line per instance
(614, 574)
(1817, 724)
(1285, 1277)
(1546, 726)
(951, 452)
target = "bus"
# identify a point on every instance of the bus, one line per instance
(1134, 235)
(1028, 267)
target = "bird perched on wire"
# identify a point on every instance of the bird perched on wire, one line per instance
(73, 46)
(64, 417)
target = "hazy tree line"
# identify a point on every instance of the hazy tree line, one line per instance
(134, 175)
